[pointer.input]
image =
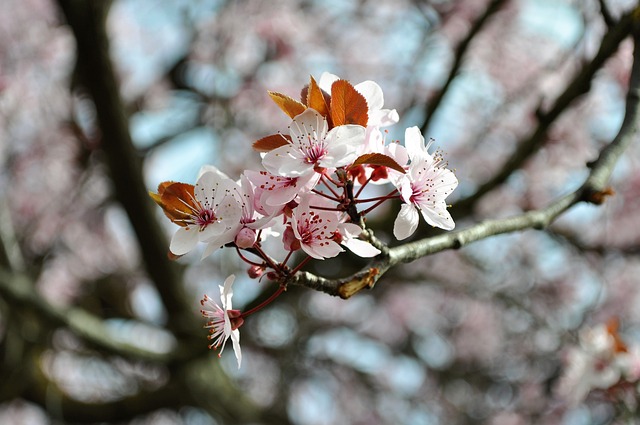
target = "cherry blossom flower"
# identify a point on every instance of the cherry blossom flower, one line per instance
(373, 95)
(313, 147)
(250, 221)
(273, 192)
(313, 229)
(224, 321)
(206, 212)
(423, 188)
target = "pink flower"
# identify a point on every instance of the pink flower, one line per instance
(423, 188)
(314, 229)
(224, 321)
(313, 147)
(273, 192)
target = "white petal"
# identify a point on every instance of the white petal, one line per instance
(308, 123)
(184, 240)
(372, 93)
(350, 134)
(329, 250)
(326, 81)
(206, 188)
(285, 161)
(235, 339)
(406, 223)
(210, 249)
(350, 230)
(438, 217)
(414, 142)
(383, 117)
(212, 169)
(226, 292)
(361, 248)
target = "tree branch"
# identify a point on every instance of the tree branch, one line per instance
(87, 20)
(457, 61)
(592, 190)
(580, 85)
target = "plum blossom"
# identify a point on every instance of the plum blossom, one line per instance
(207, 212)
(319, 232)
(224, 321)
(423, 188)
(313, 147)
(250, 221)
(313, 229)
(273, 192)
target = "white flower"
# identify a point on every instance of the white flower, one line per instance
(423, 188)
(214, 212)
(224, 321)
(313, 147)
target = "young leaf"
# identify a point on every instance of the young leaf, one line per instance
(318, 99)
(379, 159)
(174, 198)
(347, 105)
(289, 105)
(271, 142)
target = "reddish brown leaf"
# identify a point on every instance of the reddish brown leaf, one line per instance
(289, 105)
(379, 159)
(176, 200)
(271, 142)
(318, 99)
(347, 105)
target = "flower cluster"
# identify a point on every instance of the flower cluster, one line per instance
(602, 363)
(311, 187)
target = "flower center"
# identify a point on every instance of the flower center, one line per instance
(314, 153)
(205, 217)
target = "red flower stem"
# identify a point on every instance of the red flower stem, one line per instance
(371, 208)
(245, 259)
(287, 258)
(266, 258)
(326, 179)
(265, 303)
(324, 176)
(318, 192)
(301, 265)
(390, 195)
(363, 186)
(324, 208)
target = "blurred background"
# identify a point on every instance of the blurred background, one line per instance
(98, 326)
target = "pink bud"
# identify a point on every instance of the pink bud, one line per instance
(246, 238)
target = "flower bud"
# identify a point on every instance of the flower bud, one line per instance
(246, 238)
(255, 271)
